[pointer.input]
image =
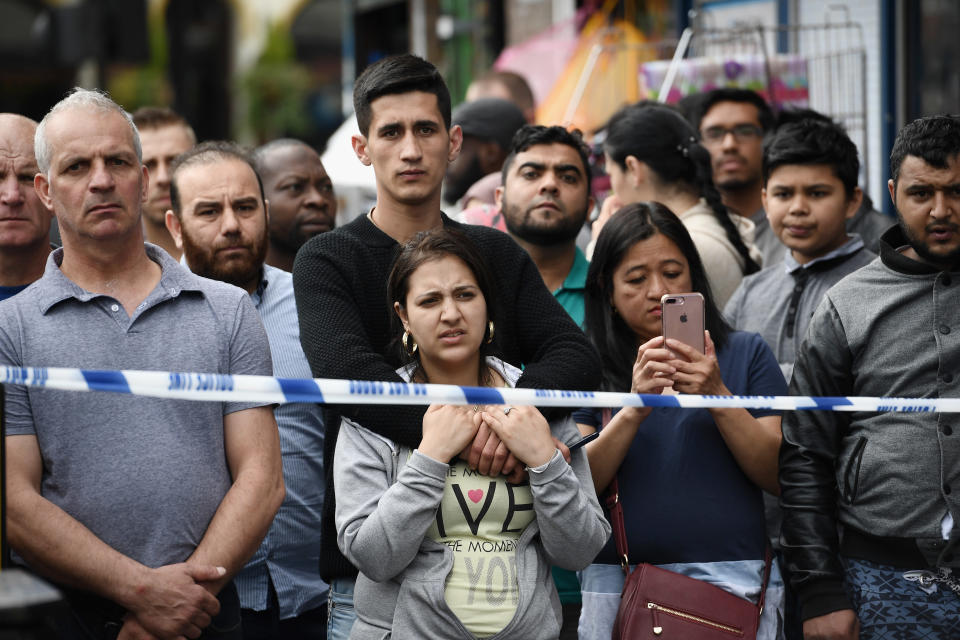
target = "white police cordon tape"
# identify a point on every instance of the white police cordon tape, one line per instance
(219, 387)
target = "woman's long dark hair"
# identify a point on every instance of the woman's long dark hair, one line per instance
(616, 342)
(432, 245)
(659, 137)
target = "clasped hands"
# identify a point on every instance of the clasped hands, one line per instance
(490, 440)
(172, 601)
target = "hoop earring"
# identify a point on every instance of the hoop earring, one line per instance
(409, 343)
(489, 331)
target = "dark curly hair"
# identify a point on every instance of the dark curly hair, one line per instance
(933, 139)
(813, 142)
(531, 135)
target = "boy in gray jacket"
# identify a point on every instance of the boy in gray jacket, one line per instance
(810, 190)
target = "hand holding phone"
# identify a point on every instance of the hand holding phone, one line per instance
(697, 370)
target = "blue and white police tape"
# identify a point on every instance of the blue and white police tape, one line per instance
(242, 388)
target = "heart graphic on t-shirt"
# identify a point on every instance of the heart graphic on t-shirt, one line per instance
(476, 495)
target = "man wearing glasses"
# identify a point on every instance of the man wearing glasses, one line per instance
(732, 123)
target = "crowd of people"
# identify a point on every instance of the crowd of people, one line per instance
(160, 518)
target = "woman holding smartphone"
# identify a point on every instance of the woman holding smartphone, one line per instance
(445, 551)
(690, 481)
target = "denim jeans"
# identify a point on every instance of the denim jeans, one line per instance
(340, 609)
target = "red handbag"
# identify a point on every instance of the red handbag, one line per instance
(660, 604)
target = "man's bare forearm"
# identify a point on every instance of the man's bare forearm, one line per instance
(62, 549)
(252, 444)
(240, 524)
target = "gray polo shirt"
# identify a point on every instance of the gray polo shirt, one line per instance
(145, 475)
(779, 301)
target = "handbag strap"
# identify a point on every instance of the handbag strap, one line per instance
(767, 563)
(615, 508)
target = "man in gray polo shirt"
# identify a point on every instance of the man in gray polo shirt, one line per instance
(141, 509)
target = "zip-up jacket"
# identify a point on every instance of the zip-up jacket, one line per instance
(891, 329)
(387, 498)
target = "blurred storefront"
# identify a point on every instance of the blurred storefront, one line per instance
(258, 69)
(250, 69)
(909, 48)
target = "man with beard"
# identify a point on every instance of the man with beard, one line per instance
(140, 509)
(488, 125)
(24, 221)
(300, 193)
(219, 219)
(164, 134)
(545, 199)
(888, 483)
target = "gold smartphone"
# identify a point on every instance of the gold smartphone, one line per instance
(682, 318)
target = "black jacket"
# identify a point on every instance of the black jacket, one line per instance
(340, 282)
(885, 480)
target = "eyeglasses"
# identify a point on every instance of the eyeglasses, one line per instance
(741, 133)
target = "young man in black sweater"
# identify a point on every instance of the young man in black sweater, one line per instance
(340, 279)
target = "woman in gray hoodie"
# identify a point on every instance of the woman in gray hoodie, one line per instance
(444, 550)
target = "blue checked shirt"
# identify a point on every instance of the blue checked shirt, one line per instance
(290, 552)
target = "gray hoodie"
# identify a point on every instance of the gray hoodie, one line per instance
(387, 498)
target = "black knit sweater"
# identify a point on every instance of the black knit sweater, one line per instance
(340, 282)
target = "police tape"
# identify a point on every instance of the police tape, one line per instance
(245, 388)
